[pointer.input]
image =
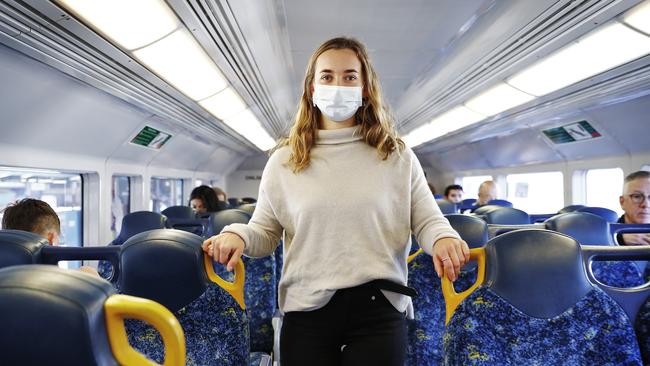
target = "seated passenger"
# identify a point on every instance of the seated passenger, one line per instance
(203, 199)
(37, 217)
(634, 201)
(487, 191)
(454, 193)
(222, 199)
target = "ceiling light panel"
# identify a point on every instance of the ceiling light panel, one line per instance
(602, 49)
(639, 17)
(247, 125)
(122, 20)
(497, 99)
(224, 104)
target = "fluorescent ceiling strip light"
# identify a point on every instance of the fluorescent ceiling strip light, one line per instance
(225, 104)
(497, 99)
(181, 61)
(455, 119)
(419, 135)
(639, 17)
(247, 125)
(604, 48)
(130, 23)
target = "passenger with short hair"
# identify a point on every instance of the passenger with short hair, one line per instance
(38, 217)
(487, 191)
(203, 199)
(454, 193)
(635, 203)
(345, 193)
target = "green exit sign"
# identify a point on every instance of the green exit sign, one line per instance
(151, 138)
(578, 131)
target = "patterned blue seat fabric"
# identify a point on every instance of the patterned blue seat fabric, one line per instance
(167, 266)
(427, 327)
(537, 307)
(590, 229)
(642, 327)
(261, 301)
(132, 224)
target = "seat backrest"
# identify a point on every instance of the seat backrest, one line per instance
(169, 267)
(466, 204)
(261, 300)
(482, 210)
(498, 202)
(179, 212)
(570, 208)
(446, 207)
(234, 202)
(247, 207)
(218, 220)
(507, 216)
(533, 303)
(586, 228)
(605, 213)
(20, 247)
(470, 228)
(138, 222)
(52, 316)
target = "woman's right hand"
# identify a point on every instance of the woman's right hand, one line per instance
(225, 248)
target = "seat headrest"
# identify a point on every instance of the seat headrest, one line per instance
(586, 228)
(138, 222)
(248, 207)
(507, 216)
(539, 272)
(605, 213)
(165, 266)
(471, 229)
(446, 207)
(20, 247)
(179, 212)
(221, 219)
(502, 203)
(570, 208)
(63, 307)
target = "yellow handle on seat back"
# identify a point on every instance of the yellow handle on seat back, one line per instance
(235, 288)
(412, 256)
(120, 307)
(453, 299)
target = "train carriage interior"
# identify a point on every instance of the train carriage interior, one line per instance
(147, 125)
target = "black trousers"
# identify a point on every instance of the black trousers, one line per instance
(358, 326)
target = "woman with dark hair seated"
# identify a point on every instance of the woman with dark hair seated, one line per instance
(203, 199)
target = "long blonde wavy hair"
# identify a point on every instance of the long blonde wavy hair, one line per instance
(376, 124)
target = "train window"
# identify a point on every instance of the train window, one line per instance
(536, 193)
(62, 191)
(121, 201)
(603, 188)
(471, 184)
(165, 192)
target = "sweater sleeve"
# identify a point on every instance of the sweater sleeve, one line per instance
(262, 233)
(427, 222)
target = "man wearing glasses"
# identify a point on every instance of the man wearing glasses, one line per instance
(635, 201)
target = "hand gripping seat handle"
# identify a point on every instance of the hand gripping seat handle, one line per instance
(120, 307)
(453, 299)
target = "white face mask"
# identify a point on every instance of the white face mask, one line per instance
(338, 103)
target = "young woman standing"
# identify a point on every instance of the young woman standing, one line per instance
(345, 194)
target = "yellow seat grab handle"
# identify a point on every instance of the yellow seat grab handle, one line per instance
(120, 307)
(235, 288)
(453, 299)
(414, 255)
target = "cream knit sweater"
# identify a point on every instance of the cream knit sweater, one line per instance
(345, 220)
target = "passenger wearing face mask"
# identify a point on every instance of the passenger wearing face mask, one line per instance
(344, 193)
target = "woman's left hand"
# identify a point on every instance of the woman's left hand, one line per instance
(449, 255)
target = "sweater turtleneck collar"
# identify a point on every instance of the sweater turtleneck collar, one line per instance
(337, 137)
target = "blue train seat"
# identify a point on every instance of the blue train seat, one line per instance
(20, 247)
(506, 216)
(52, 316)
(498, 202)
(446, 207)
(467, 204)
(589, 229)
(426, 329)
(234, 202)
(482, 210)
(169, 267)
(179, 212)
(605, 213)
(218, 220)
(132, 224)
(570, 208)
(247, 207)
(533, 303)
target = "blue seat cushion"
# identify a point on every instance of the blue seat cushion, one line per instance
(426, 329)
(260, 301)
(642, 328)
(215, 327)
(622, 274)
(487, 330)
